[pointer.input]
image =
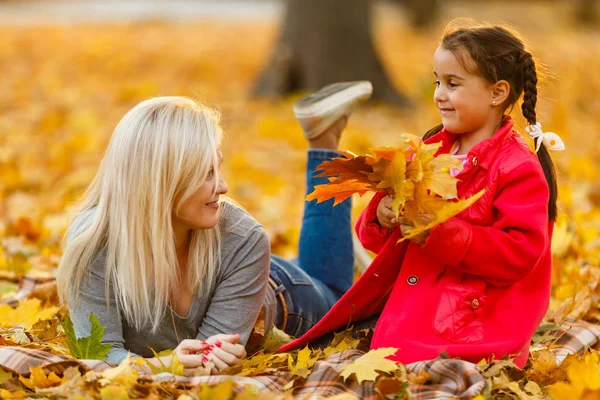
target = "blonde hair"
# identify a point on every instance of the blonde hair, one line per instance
(161, 148)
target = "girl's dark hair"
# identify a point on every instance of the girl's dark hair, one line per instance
(499, 54)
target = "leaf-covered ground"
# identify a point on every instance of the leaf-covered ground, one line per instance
(65, 88)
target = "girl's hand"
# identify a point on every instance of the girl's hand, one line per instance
(406, 226)
(189, 353)
(385, 216)
(224, 352)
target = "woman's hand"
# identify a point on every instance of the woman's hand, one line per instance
(385, 216)
(224, 351)
(406, 226)
(190, 353)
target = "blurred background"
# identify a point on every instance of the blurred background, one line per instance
(71, 69)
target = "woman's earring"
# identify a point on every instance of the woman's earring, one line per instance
(494, 102)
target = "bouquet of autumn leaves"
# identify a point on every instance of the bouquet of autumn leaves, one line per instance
(418, 181)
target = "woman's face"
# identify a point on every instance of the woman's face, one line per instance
(200, 211)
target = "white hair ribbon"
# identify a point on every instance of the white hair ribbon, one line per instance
(550, 139)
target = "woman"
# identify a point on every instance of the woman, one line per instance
(163, 262)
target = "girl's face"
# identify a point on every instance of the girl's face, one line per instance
(463, 99)
(200, 211)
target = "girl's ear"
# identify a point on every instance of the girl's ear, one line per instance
(500, 92)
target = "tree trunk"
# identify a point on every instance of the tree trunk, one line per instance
(322, 42)
(587, 12)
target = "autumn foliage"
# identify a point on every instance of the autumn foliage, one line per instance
(65, 88)
(418, 181)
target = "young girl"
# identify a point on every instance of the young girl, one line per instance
(164, 263)
(478, 285)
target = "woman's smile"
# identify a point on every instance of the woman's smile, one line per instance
(213, 204)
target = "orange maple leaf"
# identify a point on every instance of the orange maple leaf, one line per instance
(339, 191)
(351, 167)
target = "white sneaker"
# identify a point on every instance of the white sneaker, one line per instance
(318, 111)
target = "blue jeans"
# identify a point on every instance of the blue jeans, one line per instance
(324, 269)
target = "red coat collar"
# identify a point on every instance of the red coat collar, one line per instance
(483, 151)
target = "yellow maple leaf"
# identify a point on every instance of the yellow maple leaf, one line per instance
(12, 394)
(304, 362)
(124, 374)
(341, 346)
(365, 367)
(303, 359)
(436, 173)
(4, 376)
(114, 392)
(584, 380)
(447, 211)
(422, 202)
(562, 238)
(175, 366)
(390, 173)
(27, 313)
(393, 176)
(341, 341)
(258, 363)
(414, 170)
(415, 151)
(39, 379)
(221, 391)
(543, 368)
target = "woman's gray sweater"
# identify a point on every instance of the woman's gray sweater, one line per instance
(230, 304)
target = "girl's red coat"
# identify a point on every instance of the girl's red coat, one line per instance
(480, 284)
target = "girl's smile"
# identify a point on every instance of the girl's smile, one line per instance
(446, 112)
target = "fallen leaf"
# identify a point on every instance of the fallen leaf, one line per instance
(342, 341)
(4, 376)
(445, 212)
(26, 314)
(583, 376)
(123, 374)
(391, 387)
(175, 366)
(88, 348)
(418, 379)
(38, 379)
(366, 367)
(114, 392)
(275, 338)
(305, 360)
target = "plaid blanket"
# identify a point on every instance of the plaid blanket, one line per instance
(448, 378)
(43, 288)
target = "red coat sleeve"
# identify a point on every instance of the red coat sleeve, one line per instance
(509, 249)
(372, 235)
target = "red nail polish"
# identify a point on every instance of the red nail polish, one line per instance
(204, 359)
(212, 346)
(218, 343)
